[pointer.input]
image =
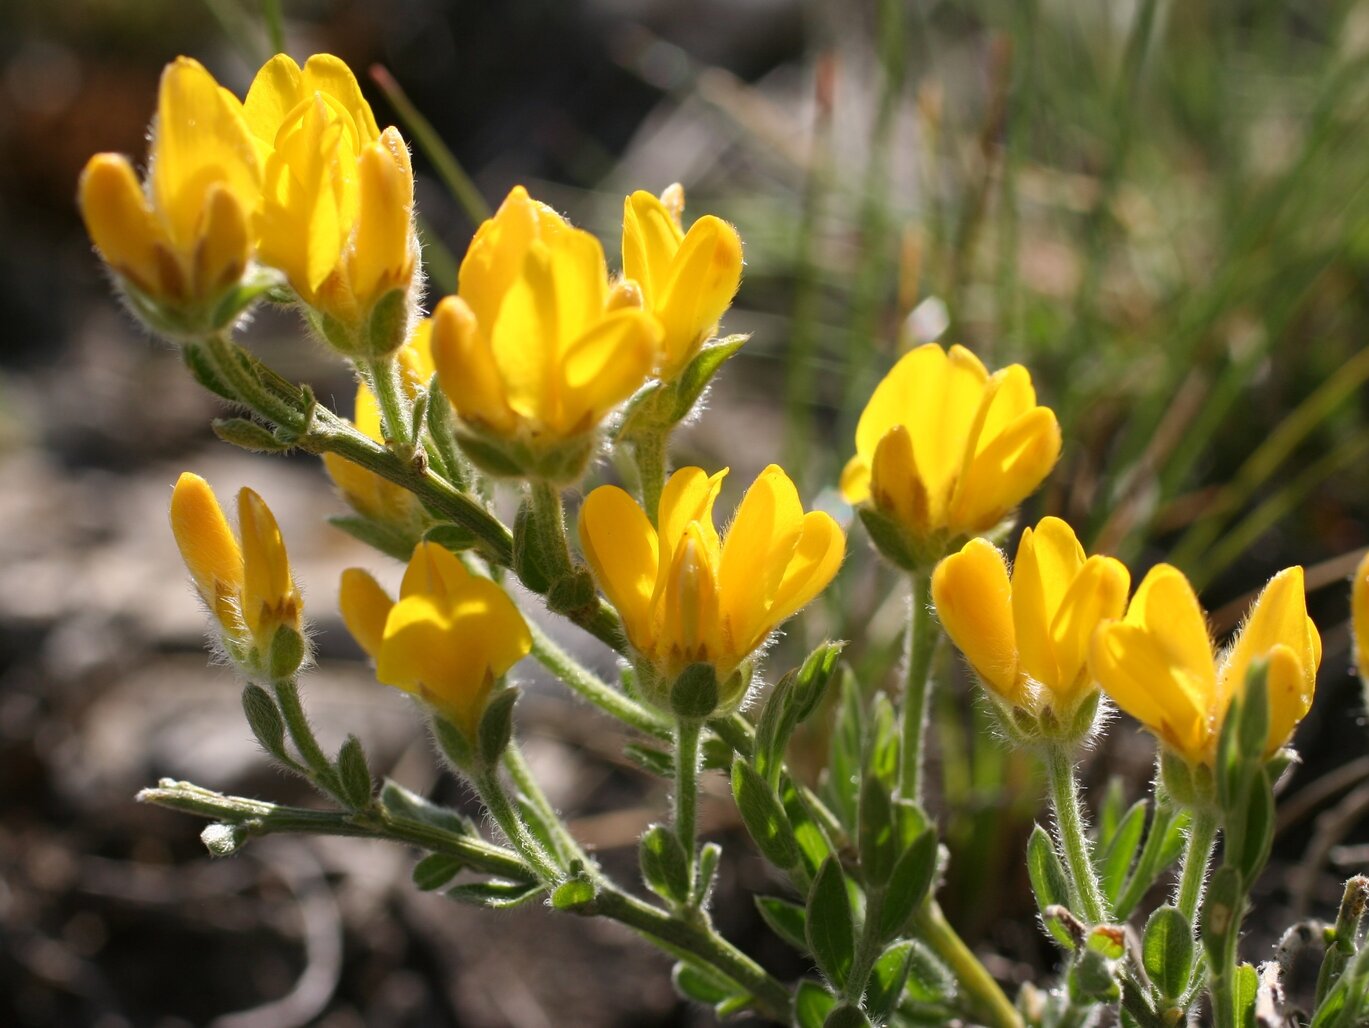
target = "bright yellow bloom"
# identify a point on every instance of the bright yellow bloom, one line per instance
(1359, 618)
(1028, 637)
(1158, 663)
(688, 279)
(535, 346)
(447, 640)
(945, 450)
(337, 206)
(366, 492)
(685, 595)
(247, 586)
(185, 240)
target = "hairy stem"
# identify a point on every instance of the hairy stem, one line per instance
(923, 633)
(496, 801)
(687, 792)
(648, 453)
(1069, 829)
(594, 689)
(1202, 836)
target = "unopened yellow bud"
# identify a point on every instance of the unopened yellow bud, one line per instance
(246, 586)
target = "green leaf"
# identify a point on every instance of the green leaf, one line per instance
(650, 759)
(1090, 979)
(665, 866)
(533, 567)
(883, 742)
(816, 672)
(248, 435)
(385, 538)
(496, 725)
(1120, 850)
(1244, 990)
(1221, 911)
(887, 978)
(709, 856)
(697, 375)
(846, 1016)
(495, 894)
(842, 781)
(1251, 847)
(814, 845)
(787, 920)
(812, 1004)
(702, 985)
(695, 693)
(929, 982)
(573, 895)
(263, 717)
(402, 803)
(830, 928)
(436, 870)
(1110, 811)
(1167, 951)
(909, 884)
(879, 849)
(773, 729)
(353, 774)
(764, 816)
(1048, 882)
(286, 654)
(451, 537)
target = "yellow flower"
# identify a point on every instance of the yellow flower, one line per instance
(687, 596)
(337, 206)
(1028, 637)
(1359, 619)
(185, 241)
(1158, 663)
(366, 492)
(447, 640)
(688, 279)
(945, 450)
(535, 347)
(247, 586)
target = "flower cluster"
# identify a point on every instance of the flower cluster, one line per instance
(542, 362)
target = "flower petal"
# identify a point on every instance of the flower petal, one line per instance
(1098, 594)
(703, 279)
(620, 546)
(1006, 471)
(974, 602)
(759, 545)
(651, 238)
(1048, 561)
(120, 220)
(364, 606)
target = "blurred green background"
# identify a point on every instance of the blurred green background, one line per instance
(1161, 208)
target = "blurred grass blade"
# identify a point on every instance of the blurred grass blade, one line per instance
(421, 130)
(275, 24)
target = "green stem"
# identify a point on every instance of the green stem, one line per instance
(1069, 828)
(384, 374)
(923, 633)
(567, 848)
(331, 434)
(687, 792)
(549, 517)
(591, 687)
(1147, 865)
(648, 452)
(700, 941)
(302, 735)
(227, 360)
(496, 801)
(1202, 835)
(262, 818)
(984, 997)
